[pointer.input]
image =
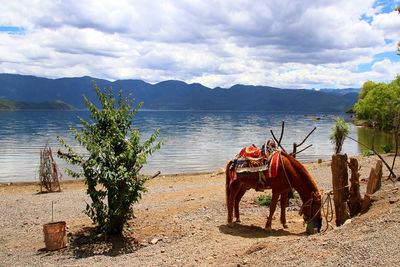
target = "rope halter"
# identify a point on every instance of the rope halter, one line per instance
(316, 197)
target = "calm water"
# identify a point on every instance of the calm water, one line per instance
(197, 141)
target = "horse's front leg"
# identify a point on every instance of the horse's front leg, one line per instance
(284, 199)
(272, 208)
(237, 201)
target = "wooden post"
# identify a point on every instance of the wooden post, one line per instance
(340, 187)
(374, 183)
(294, 150)
(355, 197)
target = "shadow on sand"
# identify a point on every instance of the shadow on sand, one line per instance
(87, 242)
(252, 231)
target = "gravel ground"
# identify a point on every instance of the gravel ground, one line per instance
(181, 221)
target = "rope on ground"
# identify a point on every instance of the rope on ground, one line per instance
(328, 213)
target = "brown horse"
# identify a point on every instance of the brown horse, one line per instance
(291, 174)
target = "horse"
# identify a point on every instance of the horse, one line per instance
(290, 174)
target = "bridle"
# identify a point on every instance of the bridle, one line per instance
(316, 197)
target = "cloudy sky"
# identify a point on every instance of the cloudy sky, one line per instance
(282, 43)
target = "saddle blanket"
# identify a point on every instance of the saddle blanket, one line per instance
(267, 167)
(253, 159)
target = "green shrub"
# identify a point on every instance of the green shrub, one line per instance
(114, 155)
(387, 148)
(263, 200)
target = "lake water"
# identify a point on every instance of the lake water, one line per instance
(197, 141)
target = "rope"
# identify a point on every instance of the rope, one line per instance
(328, 213)
(329, 208)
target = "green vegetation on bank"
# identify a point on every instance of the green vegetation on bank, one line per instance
(379, 104)
(7, 104)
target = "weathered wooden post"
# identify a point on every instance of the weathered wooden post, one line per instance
(374, 183)
(340, 187)
(294, 150)
(355, 197)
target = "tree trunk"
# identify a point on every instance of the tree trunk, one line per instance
(355, 197)
(374, 183)
(340, 187)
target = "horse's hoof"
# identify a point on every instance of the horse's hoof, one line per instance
(238, 221)
(268, 228)
(285, 226)
(230, 225)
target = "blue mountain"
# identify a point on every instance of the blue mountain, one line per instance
(176, 95)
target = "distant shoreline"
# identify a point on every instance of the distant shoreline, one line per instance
(13, 105)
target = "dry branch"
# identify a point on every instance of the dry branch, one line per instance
(302, 149)
(280, 138)
(155, 175)
(295, 146)
(308, 135)
(283, 129)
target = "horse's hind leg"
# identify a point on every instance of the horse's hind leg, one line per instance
(272, 208)
(284, 199)
(237, 201)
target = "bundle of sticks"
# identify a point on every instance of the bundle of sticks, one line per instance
(49, 174)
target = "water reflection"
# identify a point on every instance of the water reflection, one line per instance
(382, 138)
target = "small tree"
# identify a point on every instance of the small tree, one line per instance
(339, 133)
(113, 160)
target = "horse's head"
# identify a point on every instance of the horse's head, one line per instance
(311, 211)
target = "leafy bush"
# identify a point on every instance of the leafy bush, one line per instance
(387, 148)
(114, 155)
(263, 200)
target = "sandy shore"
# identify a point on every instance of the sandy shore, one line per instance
(181, 221)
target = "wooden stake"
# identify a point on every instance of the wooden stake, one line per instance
(340, 187)
(355, 197)
(374, 183)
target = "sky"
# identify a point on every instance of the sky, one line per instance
(218, 43)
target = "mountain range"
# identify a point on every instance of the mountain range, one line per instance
(177, 95)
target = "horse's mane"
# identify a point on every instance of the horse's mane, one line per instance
(302, 170)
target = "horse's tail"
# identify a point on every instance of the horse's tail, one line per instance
(227, 182)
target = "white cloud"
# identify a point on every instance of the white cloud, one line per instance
(389, 23)
(291, 44)
(386, 68)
